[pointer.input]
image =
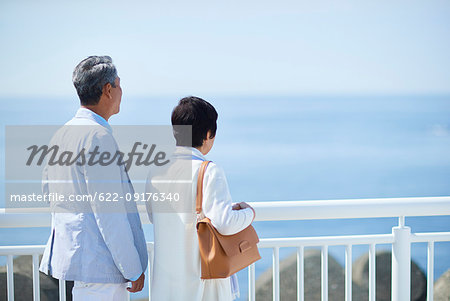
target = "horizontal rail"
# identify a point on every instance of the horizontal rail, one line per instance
(21, 250)
(343, 240)
(430, 237)
(284, 210)
(263, 243)
(351, 208)
(325, 240)
(10, 218)
(23, 220)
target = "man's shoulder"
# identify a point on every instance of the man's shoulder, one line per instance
(78, 127)
(87, 126)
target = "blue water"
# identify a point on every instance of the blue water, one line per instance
(300, 148)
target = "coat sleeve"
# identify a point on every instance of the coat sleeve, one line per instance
(103, 182)
(217, 203)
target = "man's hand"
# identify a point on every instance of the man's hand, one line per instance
(138, 285)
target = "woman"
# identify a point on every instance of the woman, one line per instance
(176, 268)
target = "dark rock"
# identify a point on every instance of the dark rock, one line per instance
(336, 279)
(383, 274)
(442, 287)
(312, 276)
(23, 282)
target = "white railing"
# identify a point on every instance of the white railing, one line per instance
(400, 238)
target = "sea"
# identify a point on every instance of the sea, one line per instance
(310, 147)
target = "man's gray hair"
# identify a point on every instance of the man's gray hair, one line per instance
(91, 75)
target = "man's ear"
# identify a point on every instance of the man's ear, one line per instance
(107, 90)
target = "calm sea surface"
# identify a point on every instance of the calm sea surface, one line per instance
(299, 148)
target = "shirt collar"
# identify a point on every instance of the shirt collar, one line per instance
(197, 153)
(189, 151)
(91, 115)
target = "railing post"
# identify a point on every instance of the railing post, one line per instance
(348, 273)
(62, 290)
(10, 277)
(430, 271)
(401, 262)
(300, 274)
(149, 277)
(276, 274)
(324, 274)
(36, 287)
(372, 272)
(251, 283)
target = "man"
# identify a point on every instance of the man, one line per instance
(96, 236)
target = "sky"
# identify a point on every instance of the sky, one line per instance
(229, 47)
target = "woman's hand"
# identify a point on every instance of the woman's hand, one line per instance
(243, 205)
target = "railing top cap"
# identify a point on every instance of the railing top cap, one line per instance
(289, 210)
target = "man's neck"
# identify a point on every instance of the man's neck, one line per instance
(98, 110)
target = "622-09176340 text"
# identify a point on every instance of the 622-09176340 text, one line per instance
(101, 197)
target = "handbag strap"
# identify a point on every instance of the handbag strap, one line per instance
(201, 174)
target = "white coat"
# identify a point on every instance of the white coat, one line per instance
(176, 267)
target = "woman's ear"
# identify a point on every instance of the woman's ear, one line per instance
(208, 138)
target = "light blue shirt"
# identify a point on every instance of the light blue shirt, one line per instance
(92, 241)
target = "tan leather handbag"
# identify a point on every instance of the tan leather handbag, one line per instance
(222, 255)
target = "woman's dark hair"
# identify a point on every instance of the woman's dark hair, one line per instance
(198, 113)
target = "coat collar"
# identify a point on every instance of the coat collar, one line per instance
(88, 114)
(190, 152)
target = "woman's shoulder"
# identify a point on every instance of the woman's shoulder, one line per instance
(214, 171)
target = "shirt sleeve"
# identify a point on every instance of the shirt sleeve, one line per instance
(105, 181)
(217, 203)
(135, 278)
